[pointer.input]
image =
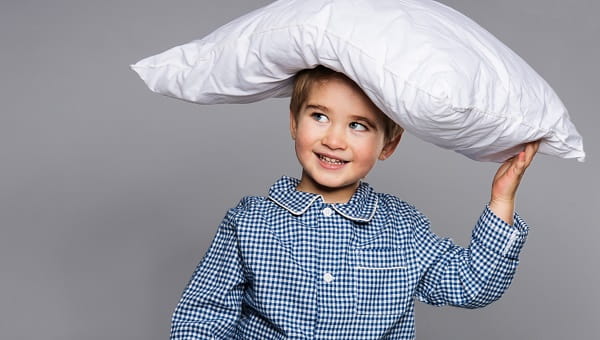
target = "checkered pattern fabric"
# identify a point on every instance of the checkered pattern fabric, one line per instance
(290, 266)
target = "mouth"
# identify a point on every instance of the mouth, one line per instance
(330, 160)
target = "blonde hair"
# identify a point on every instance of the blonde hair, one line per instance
(306, 79)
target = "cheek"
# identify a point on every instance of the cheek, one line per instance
(371, 146)
(302, 143)
(299, 147)
(306, 136)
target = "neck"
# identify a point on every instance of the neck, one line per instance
(329, 194)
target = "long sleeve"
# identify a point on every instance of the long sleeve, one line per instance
(469, 277)
(211, 303)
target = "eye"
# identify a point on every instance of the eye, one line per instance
(319, 117)
(358, 126)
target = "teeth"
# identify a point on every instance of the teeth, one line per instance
(331, 160)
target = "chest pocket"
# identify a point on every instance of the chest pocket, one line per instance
(382, 282)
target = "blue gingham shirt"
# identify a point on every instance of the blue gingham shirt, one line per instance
(290, 266)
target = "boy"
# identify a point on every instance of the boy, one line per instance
(326, 257)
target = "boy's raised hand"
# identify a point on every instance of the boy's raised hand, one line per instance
(506, 182)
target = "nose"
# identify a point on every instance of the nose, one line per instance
(334, 138)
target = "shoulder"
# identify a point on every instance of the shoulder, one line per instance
(249, 205)
(249, 208)
(394, 206)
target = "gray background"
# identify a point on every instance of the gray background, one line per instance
(109, 194)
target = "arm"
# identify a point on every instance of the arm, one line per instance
(478, 275)
(211, 303)
(469, 277)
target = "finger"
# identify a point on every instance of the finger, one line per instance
(537, 144)
(504, 167)
(530, 151)
(534, 146)
(520, 163)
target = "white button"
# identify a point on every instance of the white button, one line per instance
(328, 277)
(327, 212)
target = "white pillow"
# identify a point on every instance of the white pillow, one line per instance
(431, 69)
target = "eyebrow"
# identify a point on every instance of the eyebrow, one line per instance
(317, 107)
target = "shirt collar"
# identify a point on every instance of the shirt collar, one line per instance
(360, 208)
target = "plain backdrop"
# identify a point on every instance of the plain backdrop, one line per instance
(110, 194)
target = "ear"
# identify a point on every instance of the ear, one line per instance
(390, 147)
(293, 124)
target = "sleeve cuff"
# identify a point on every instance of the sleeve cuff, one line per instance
(498, 236)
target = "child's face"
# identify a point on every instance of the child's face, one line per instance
(339, 136)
